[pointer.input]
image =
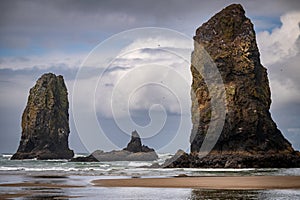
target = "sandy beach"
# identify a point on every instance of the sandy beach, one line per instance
(31, 187)
(229, 183)
(79, 187)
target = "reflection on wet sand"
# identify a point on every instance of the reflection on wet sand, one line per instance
(40, 187)
(198, 194)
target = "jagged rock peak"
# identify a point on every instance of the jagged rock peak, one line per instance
(45, 121)
(226, 24)
(249, 138)
(229, 38)
(134, 135)
(134, 151)
(135, 144)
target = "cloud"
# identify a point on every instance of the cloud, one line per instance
(281, 43)
(33, 26)
(42, 62)
(280, 54)
(145, 84)
(150, 76)
(294, 130)
(285, 93)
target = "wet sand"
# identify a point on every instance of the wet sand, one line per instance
(39, 187)
(81, 187)
(228, 183)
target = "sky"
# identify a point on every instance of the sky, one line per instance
(122, 75)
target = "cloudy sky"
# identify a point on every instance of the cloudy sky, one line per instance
(122, 76)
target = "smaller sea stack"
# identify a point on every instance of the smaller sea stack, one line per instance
(45, 121)
(134, 151)
(135, 144)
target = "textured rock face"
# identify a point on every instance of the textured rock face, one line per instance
(135, 144)
(229, 39)
(45, 121)
(249, 138)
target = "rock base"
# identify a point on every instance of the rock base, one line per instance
(121, 155)
(134, 151)
(43, 155)
(241, 160)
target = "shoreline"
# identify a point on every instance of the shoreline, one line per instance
(215, 182)
(65, 187)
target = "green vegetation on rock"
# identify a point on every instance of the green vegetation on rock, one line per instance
(45, 121)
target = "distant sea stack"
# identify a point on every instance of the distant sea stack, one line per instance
(135, 144)
(134, 151)
(250, 138)
(45, 121)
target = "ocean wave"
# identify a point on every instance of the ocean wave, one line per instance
(104, 165)
(56, 160)
(80, 155)
(164, 154)
(139, 164)
(7, 155)
(11, 168)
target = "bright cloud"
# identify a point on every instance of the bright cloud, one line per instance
(144, 77)
(281, 43)
(280, 54)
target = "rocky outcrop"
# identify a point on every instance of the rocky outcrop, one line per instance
(249, 138)
(232, 160)
(135, 144)
(45, 121)
(134, 151)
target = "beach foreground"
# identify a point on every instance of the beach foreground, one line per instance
(194, 188)
(229, 183)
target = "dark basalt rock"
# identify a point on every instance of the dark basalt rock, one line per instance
(250, 138)
(229, 39)
(135, 144)
(45, 121)
(134, 151)
(234, 161)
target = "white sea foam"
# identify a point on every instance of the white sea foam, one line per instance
(56, 160)
(164, 155)
(80, 155)
(2, 168)
(7, 155)
(123, 168)
(139, 164)
(104, 165)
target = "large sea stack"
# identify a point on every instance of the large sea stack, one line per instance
(249, 138)
(45, 121)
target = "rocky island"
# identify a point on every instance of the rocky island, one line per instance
(45, 121)
(134, 151)
(250, 137)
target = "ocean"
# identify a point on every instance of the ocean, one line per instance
(63, 172)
